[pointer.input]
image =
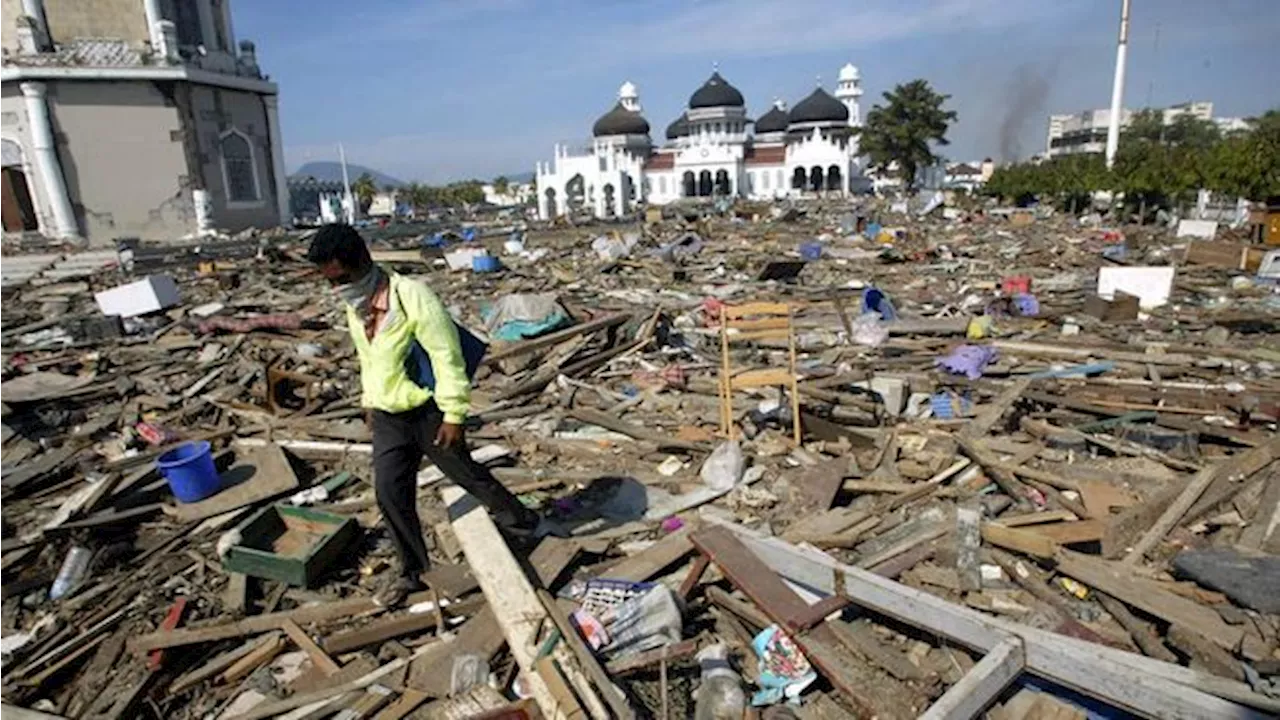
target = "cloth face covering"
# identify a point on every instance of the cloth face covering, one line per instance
(357, 294)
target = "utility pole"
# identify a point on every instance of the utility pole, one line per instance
(1117, 89)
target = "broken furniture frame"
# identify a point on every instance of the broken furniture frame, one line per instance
(757, 321)
(1135, 683)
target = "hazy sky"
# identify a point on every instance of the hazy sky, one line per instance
(444, 90)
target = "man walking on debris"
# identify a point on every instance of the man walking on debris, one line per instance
(387, 315)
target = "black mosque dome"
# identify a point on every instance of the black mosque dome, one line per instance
(819, 107)
(678, 128)
(716, 92)
(775, 120)
(620, 121)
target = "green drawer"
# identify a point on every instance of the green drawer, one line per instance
(292, 544)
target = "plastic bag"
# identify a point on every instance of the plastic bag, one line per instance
(470, 670)
(868, 331)
(724, 467)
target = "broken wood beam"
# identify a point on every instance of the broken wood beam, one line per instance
(319, 658)
(980, 686)
(515, 605)
(1243, 464)
(618, 425)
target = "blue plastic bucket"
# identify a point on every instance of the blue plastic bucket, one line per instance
(190, 471)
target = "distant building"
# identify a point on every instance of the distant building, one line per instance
(516, 194)
(712, 150)
(136, 119)
(968, 176)
(1086, 132)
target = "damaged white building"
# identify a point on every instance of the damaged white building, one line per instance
(712, 150)
(136, 119)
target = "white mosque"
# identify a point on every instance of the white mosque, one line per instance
(713, 149)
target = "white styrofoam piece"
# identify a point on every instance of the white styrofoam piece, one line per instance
(1152, 285)
(1270, 266)
(152, 293)
(461, 258)
(1204, 229)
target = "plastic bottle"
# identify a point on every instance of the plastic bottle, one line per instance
(720, 697)
(74, 567)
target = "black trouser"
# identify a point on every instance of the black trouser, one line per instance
(399, 442)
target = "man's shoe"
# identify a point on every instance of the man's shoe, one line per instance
(394, 595)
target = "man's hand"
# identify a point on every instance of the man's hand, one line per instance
(448, 435)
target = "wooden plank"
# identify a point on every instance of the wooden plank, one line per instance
(819, 485)
(516, 606)
(439, 649)
(264, 653)
(569, 634)
(1264, 527)
(744, 610)
(1144, 636)
(13, 712)
(1023, 541)
(1036, 518)
(235, 596)
(649, 658)
(691, 580)
(1119, 582)
(919, 537)
(859, 637)
(319, 658)
(272, 476)
(1240, 466)
(968, 548)
(616, 424)
(566, 701)
(408, 701)
(379, 631)
(306, 615)
(982, 685)
(781, 604)
(1131, 682)
(1070, 533)
(652, 560)
(988, 415)
(481, 634)
(215, 666)
(375, 697)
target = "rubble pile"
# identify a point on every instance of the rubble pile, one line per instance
(1037, 476)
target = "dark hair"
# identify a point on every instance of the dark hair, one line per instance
(341, 242)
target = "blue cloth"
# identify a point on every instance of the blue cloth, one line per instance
(417, 363)
(874, 300)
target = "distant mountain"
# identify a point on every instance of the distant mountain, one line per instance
(330, 171)
(524, 177)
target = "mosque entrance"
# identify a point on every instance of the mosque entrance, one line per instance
(608, 200)
(19, 211)
(552, 210)
(834, 179)
(815, 178)
(575, 192)
(722, 182)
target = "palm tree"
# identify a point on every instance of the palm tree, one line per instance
(364, 188)
(501, 185)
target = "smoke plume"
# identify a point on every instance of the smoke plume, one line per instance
(1026, 93)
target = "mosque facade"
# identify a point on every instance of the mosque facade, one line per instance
(714, 149)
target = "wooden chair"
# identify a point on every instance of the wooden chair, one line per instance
(757, 321)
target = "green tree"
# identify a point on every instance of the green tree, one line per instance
(364, 188)
(905, 129)
(501, 185)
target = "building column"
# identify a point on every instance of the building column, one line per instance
(225, 7)
(152, 10)
(208, 35)
(44, 152)
(271, 103)
(34, 9)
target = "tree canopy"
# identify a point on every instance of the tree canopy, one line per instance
(434, 197)
(906, 128)
(1157, 165)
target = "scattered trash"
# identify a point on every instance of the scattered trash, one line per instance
(785, 672)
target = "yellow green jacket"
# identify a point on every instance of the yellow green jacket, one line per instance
(415, 312)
